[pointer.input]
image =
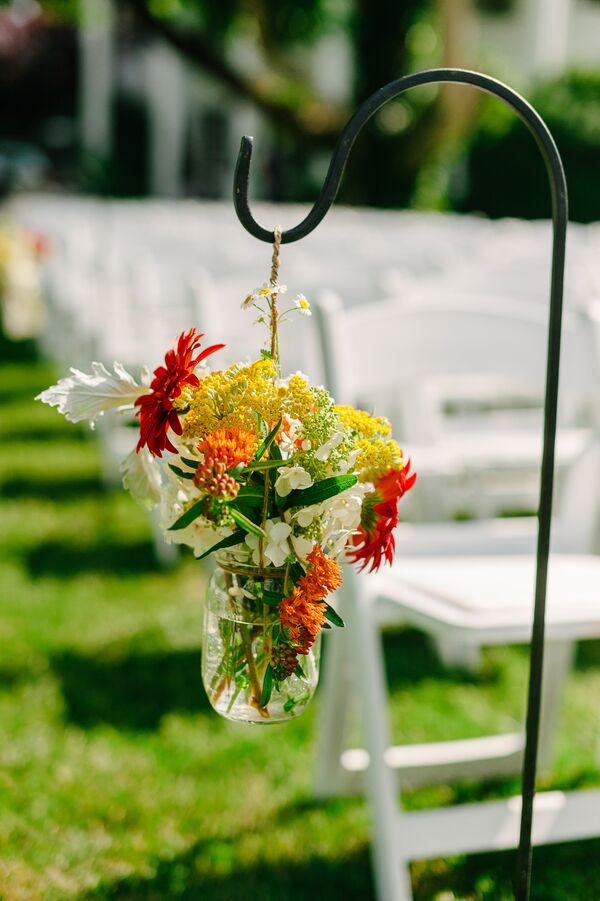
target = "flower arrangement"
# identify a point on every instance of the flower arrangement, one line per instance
(272, 477)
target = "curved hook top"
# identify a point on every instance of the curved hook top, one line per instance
(342, 151)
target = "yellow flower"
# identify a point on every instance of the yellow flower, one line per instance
(364, 424)
(233, 398)
(375, 458)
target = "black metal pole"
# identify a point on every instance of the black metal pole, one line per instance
(558, 189)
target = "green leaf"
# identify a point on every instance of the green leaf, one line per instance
(251, 495)
(181, 472)
(333, 617)
(246, 524)
(266, 444)
(272, 598)
(275, 452)
(231, 540)
(188, 517)
(296, 572)
(319, 492)
(267, 686)
(260, 465)
(193, 463)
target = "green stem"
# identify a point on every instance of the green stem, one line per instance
(252, 673)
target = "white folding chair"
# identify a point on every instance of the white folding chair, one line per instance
(482, 596)
(462, 380)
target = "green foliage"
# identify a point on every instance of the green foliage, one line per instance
(319, 492)
(505, 174)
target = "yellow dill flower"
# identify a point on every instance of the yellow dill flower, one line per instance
(364, 424)
(376, 457)
(233, 398)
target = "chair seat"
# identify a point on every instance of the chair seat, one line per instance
(489, 599)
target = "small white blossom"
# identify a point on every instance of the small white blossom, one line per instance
(291, 430)
(303, 305)
(267, 290)
(276, 546)
(302, 546)
(322, 453)
(305, 515)
(84, 395)
(291, 478)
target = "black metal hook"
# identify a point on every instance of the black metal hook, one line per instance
(558, 190)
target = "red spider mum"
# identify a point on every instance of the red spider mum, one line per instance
(157, 412)
(375, 540)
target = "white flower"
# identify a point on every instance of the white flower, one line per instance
(344, 509)
(290, 478)
(322, 453)
(302, 546)
(87, 396)
(267, 290)
(275, 546)
(142, 477)
(289, 434)
(303, 305)
(305, 515)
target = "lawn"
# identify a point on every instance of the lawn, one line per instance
(117, 780)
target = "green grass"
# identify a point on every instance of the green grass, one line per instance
(116, 779)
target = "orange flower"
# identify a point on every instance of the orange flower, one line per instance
(303, 612)
(228, 446)
(222, 450)
(323, 576)
(302, 616)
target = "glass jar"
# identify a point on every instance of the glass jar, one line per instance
(251, 672)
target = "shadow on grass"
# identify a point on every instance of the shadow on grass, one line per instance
(54, 489)
(210, 871)
(56, 558)
(411, 657)
(588, 656)
(52, 431)
(130, 693)
(18, 351)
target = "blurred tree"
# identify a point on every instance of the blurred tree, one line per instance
(387, 39)
(496, 186)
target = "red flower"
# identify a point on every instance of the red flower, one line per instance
(375, 540)
(157, 412)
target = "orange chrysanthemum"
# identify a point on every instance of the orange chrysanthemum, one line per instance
(229, 446)
(221, 450)
(303, 613)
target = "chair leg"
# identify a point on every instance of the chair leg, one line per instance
(391, 872)
(558, 663)
(458, 655)
(333, 716)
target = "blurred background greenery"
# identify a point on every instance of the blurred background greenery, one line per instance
(154, 95)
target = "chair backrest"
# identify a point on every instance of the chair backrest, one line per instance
(403, 351)
(577, 509)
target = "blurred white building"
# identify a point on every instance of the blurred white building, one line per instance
(194, 123)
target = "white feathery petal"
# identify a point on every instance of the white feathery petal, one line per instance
(142, 477)
(83, 395)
